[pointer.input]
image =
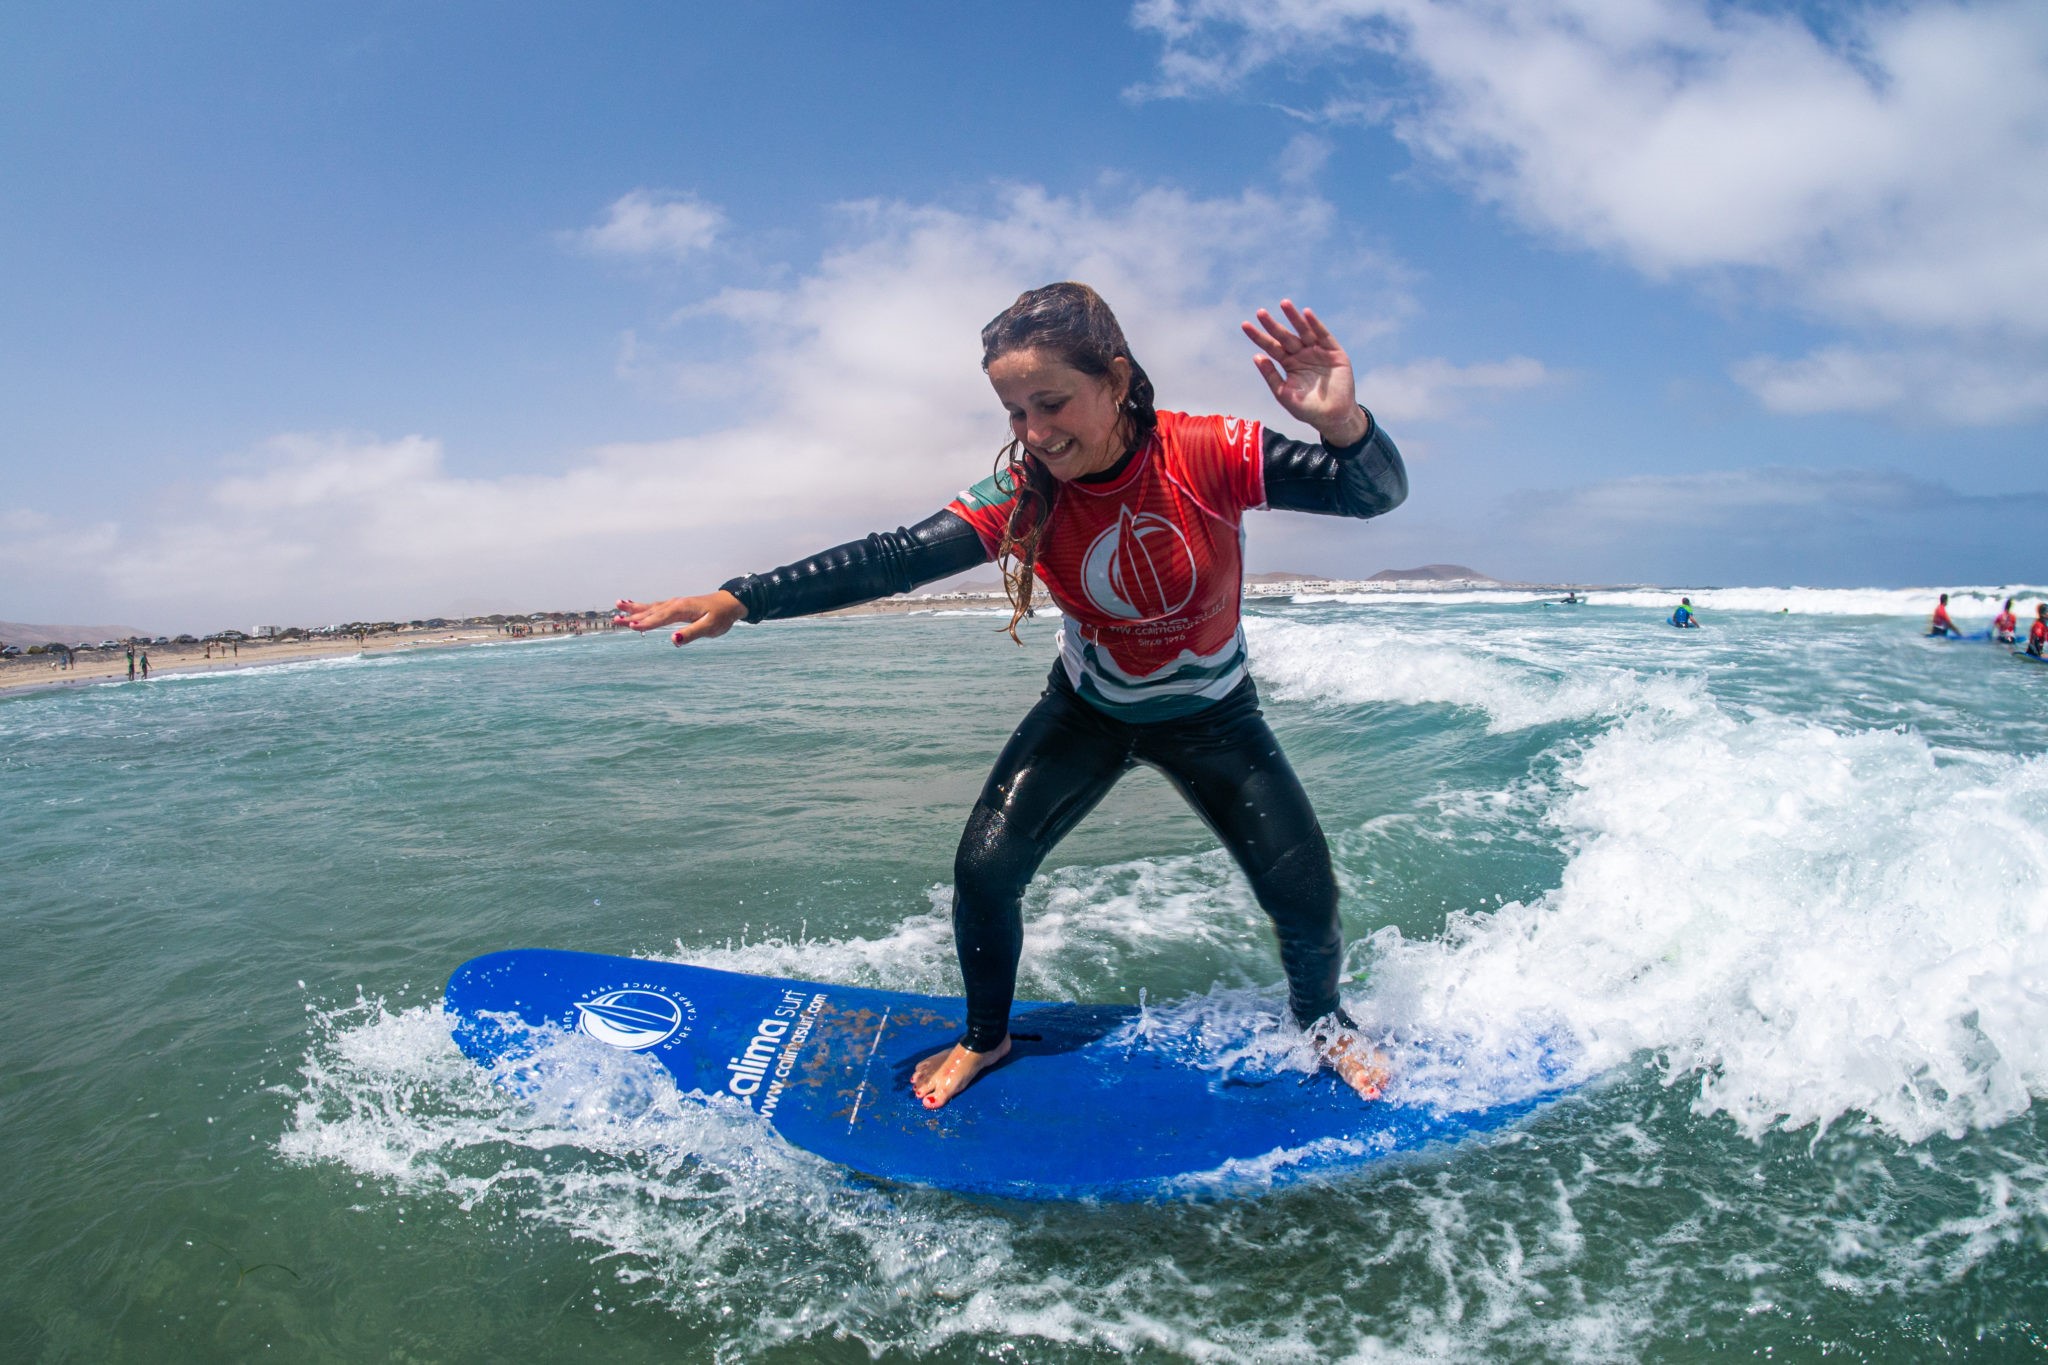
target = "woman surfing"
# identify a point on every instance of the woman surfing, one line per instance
(1131, 517)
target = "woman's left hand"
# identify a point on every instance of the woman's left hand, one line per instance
(1309, 373)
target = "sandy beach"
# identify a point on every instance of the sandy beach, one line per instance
(40, 672)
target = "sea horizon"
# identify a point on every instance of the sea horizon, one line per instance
(1884, 600)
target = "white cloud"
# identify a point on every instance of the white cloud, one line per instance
(1935, 384)
(30, 539)
(861, 404)
(649, 224)
(310, 471)
(1303, 159)
(1887, 170)
(1433, 388)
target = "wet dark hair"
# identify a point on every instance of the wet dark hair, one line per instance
(1073, 323)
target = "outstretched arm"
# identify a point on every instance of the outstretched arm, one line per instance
(703, 617)
(858, 571)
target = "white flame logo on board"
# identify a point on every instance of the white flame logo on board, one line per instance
(1139, 569)
(634, 1018)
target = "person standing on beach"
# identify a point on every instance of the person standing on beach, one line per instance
(131, 661)
(145, 665)
(1132, 518)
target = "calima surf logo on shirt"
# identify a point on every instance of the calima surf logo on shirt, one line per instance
(1140, 569)
(635, 1018)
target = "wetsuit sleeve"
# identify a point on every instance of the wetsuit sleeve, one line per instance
(1360, 480)
(862, 570)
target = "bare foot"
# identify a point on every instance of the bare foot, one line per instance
(1358, 1063)
(943, 1075)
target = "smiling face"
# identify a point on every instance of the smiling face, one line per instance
(1073, 422)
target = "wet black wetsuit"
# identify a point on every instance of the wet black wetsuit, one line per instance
(1067, 753)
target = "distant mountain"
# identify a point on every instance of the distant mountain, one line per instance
(23, 634)
(1427, 572)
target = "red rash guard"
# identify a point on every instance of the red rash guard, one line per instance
(1148, 567)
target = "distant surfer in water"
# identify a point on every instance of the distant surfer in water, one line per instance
(1682, 617)
(1941, 625)
(1131, 518)
(2005, 626)
(2037, 634)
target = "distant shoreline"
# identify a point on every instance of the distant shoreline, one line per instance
(37, 673)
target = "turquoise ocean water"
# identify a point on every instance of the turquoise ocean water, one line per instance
(1782, 882)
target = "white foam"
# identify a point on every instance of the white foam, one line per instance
(1977, 600)
(1800, 923)
(673, 1187)
(284, 668)
(1398, 595)
(1965, 602)
(698, 1207)
(1079, 924)
(1356, 662)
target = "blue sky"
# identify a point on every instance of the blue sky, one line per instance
(332, 311)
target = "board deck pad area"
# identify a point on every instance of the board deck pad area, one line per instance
(1090, 1103)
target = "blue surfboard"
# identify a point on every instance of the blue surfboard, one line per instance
(1091, 1103)
(2029, 658)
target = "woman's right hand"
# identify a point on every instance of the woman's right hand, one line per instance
(705, 616)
